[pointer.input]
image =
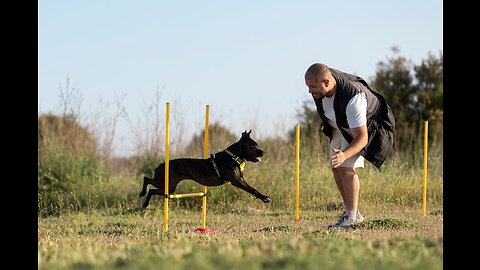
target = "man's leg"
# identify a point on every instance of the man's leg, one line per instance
(351, 188)
(348, 183)
(336, 142)
(337, 175)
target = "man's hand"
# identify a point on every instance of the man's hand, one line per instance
(337, 158)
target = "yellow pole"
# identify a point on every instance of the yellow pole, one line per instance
(167, 164)
(205, 155)
(186, 195)
(425, 148)
(297, 172)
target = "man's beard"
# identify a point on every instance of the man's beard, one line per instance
(319, 98)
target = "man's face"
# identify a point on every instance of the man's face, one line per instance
(316, 87)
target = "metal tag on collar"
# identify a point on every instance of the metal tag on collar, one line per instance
(242, 166)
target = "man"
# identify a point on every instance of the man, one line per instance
(359, 124)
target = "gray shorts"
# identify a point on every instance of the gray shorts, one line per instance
(338, 142)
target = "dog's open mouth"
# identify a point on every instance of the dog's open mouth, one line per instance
(259, 159)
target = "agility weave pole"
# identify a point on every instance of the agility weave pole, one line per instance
(167, 163)
(167, 166)
(205, 155)
(425, 148)
(297, 172)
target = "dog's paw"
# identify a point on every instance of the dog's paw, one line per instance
(266, 200)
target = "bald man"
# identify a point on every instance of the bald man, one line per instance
(360, 125)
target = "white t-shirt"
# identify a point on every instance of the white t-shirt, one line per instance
(356, 110)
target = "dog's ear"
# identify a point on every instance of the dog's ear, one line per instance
(246, 134)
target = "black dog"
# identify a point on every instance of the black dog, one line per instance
(224, 166)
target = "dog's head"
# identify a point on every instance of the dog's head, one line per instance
(248, 148)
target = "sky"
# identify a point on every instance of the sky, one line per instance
(245, 59)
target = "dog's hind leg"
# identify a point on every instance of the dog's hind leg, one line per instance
(151, 192)
(146, 181)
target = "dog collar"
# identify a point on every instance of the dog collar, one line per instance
(240, 161)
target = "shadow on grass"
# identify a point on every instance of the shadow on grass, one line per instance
(388, 223)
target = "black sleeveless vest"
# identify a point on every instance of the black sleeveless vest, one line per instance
(380, 119)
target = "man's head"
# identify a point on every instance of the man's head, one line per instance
(320, 81)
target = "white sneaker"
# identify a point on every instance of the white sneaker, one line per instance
(344, 223)
(357, 221)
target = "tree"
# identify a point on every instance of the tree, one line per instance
(395, 81)
(429, 75)
(414, 92)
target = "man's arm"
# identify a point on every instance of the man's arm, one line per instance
(360, 139)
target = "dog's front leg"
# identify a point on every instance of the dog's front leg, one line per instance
(240, 183)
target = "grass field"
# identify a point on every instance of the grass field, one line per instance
(89, 217)
(391, 237)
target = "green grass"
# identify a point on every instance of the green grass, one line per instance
(263, 239)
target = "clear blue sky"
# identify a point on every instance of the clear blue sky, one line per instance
(246, 59)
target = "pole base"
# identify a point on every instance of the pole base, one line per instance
(205, 230)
